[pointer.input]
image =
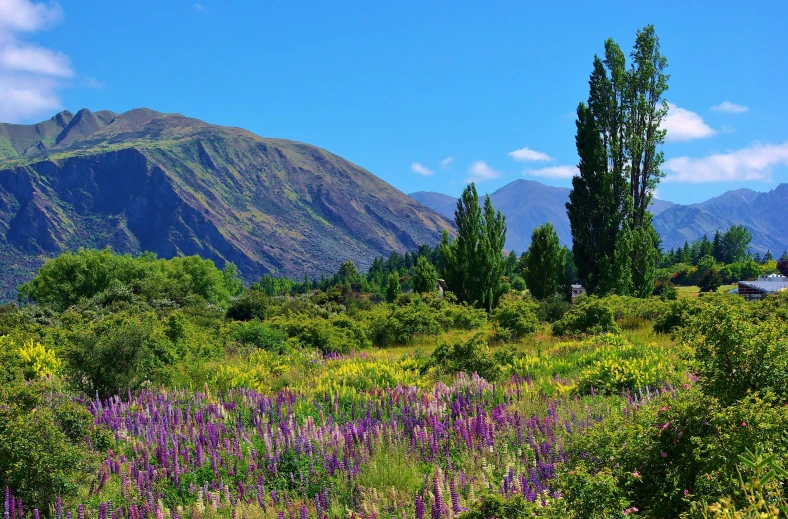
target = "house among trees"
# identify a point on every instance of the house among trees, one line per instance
(577, 290)
(762, 287)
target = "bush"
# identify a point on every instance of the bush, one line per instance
(675, 316)
(257, 334)
(553, 308)
(469, 357)
(43, 448)
(464, 317)
(402, 324)
(118, 353)
(319, 334)
(252, 304)
(515, 318)
(589, 316)
(738, 350)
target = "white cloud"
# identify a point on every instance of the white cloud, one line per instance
(31, 76)
(685, 125)
(24, 15)
(199, 7)
(480, 171)
(553, 172)
(445, 163)
(752, 163)
(421, 170)
(729, 108)
(529, 155)
(34, 60)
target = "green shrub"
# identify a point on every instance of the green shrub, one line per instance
(469, 357)
(400, 325)
(259, 335)
(589, 316)
(464, 317)
(515, 318)
(738, 350)
(553, 308)
(118, 353)
(252, 304)
(318, 334)
(675, 316)
(43, 448)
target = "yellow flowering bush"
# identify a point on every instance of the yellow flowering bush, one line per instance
(37, 361)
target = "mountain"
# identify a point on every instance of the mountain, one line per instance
(438, 202)
(762, 213)
(148, 181)
(528, 204)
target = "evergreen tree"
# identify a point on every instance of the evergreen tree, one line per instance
(598, 205)
(425, 277)
(735, 243)
(768, 256)
(545, 262)
(618, 136)
(706, 248)
(393, 288)
(645, 255)
(716, 246)
(474, 261)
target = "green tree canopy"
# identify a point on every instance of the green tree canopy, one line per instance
(474, 261)
(425, 277)
(545, 262)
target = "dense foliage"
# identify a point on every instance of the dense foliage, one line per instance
(336, 403)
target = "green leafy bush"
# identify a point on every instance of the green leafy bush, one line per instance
(252, 304)
(118, 352)
(553, 308)
(588, 316)
(739, 350)
(259, 335)
(515, 318)
(44, 443)
(472, 356)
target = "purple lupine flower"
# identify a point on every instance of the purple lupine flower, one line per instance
(7, 504)
(455, 497)
(419, 507)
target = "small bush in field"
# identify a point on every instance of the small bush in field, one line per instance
(516, 318)
(259, 335)
(553, 308)
(252, 304)
(588, 316)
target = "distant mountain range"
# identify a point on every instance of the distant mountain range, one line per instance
(528, 204)
(145, 180)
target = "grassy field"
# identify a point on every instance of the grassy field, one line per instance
(692, 292)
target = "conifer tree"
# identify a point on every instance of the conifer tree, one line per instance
(474, 261)
(545, 262)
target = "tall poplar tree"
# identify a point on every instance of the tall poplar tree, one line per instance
(474, 261)
(618, 137)
(546, 262)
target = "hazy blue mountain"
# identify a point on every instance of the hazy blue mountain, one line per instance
(527, 204)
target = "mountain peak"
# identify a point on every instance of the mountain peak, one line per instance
(148, 181)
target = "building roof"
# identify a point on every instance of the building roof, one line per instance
(770, 285)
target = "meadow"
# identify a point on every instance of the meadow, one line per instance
(199, 403)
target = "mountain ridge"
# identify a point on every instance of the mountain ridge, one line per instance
(175, 185)
(530, 203)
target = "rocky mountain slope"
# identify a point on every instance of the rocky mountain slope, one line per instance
(147, 181)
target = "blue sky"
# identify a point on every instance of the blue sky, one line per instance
(426, 95)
